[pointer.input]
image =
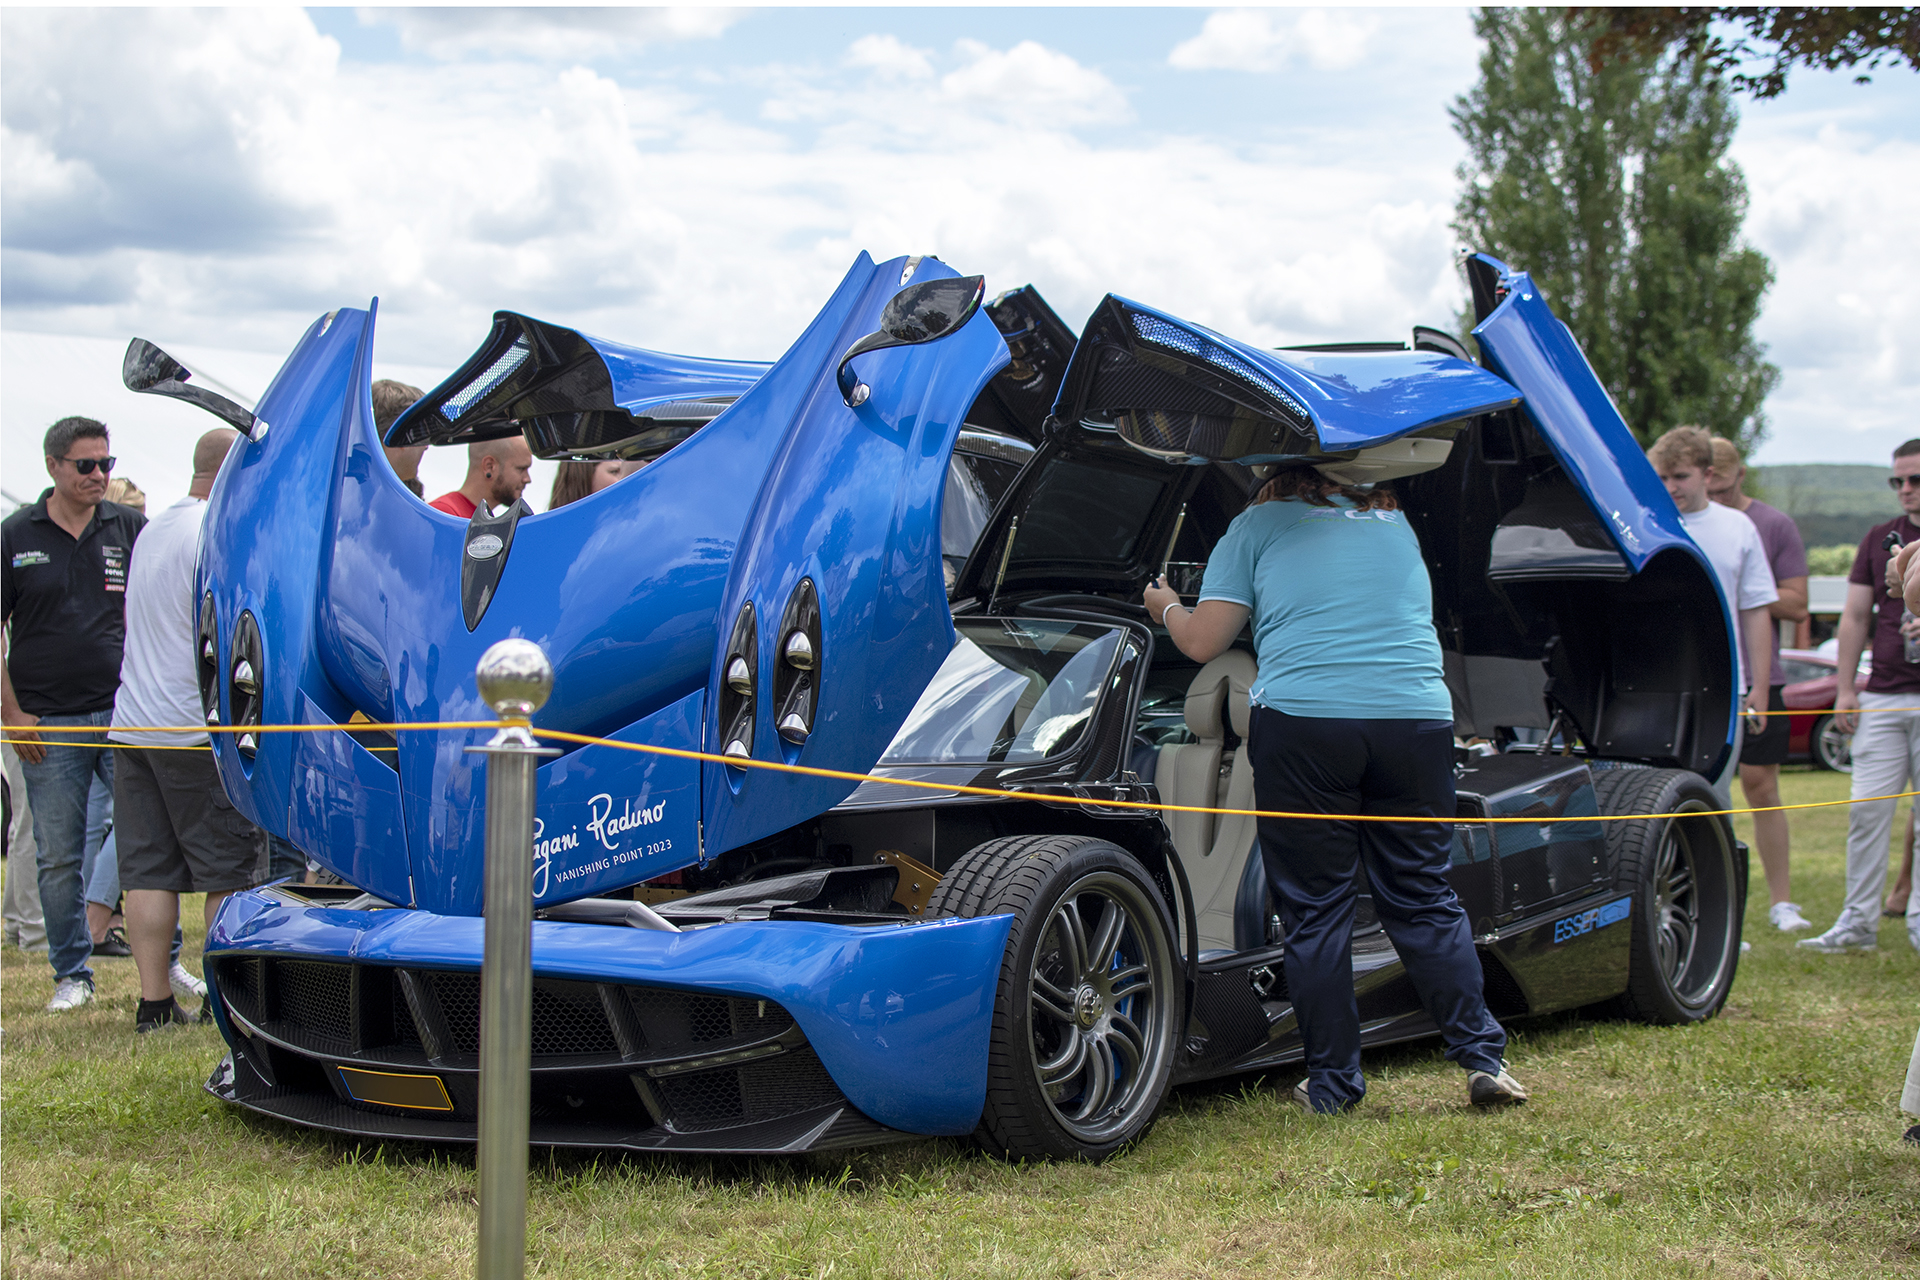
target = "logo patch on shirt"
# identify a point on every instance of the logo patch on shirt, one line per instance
(1345, 513)
(28, 559)
(115, 560)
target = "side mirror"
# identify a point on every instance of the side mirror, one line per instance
(919, 313)
(151, 371)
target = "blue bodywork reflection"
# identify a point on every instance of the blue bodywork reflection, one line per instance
(898, 1014)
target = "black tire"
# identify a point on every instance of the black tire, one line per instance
(1087, 1013)
(1688, 893)
(1828, 747)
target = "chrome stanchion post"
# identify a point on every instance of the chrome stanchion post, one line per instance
(514, 678)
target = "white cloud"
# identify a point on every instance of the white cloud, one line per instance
(1833, 207)
(226, 177)
(1033, 78)
(1271, 40)
(890, 57)
(643, 214)
(549, 34)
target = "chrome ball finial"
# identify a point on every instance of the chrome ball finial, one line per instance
(514, 678)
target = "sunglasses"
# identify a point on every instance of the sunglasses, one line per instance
(1902, 482)
(85, 466)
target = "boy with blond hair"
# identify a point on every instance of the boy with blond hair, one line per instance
(1683, 457)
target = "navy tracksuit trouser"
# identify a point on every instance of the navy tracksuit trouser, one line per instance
(1308, 765)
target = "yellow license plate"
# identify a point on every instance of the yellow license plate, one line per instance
(396, 1089)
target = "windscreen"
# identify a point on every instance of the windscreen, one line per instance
(1010, 692)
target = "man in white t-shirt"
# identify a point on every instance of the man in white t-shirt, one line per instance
(177, 831)
(1684, 459)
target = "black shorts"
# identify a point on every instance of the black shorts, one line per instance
(175, 828)
(1770, 745)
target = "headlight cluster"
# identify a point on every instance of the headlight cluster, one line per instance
(796, 675)
(737, 683)
(242, 673)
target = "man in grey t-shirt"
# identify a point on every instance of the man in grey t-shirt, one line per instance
(1763, 753)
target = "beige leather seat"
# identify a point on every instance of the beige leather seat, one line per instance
(1189, 773)
(1213, 848)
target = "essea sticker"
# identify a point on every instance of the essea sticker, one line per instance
(1592, 918)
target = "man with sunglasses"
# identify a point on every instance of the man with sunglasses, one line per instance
(1886, 740)
(63, 579)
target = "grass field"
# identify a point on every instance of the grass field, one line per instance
(1764, 1143)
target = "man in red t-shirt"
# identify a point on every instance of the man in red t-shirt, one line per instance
(497, 472)
(1886, 743)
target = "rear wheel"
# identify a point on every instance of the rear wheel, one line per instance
(1830, 747)
(1688, 894)
(1087, 1012)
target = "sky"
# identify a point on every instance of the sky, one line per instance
(699, 180)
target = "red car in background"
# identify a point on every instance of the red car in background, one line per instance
(1812, 677)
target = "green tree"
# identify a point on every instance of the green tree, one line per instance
(1609, 182)
(1828, 39)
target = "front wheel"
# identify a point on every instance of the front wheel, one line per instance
(1688, 894)
(1830, 746)
(1087, 1012)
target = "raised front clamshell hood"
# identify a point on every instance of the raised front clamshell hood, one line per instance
(1182, 392)
(789, 508)
(573, 395)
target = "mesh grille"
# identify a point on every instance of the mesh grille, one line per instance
(497, 372)
(317, 998)
(675, 1022)
(1123, 381)
(765, 1090)
(459, 995)
(1159, 332)
(239, 982)
(708, 1019)
(567, 1019)
(405, 1034)
(686, 411)
(314, 1006)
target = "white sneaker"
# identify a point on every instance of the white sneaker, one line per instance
(1843, 937)
(1494, 1088)
(1786, 917)
(185, 985)
(70, 993)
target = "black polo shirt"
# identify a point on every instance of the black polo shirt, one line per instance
(65, 601)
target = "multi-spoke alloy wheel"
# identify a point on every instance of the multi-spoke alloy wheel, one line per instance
(1689, 892)
(1086, 1013)
(1676, 904)
(1094, 999)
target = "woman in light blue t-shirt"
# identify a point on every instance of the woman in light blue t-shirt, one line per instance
(1351, 715)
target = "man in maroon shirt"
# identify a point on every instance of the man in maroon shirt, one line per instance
(1762, 754)
(497, 472)
(1886, 741)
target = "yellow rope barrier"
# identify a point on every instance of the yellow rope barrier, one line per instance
(944, 788)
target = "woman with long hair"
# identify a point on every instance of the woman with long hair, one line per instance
(575, 480)
(1351, 715)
